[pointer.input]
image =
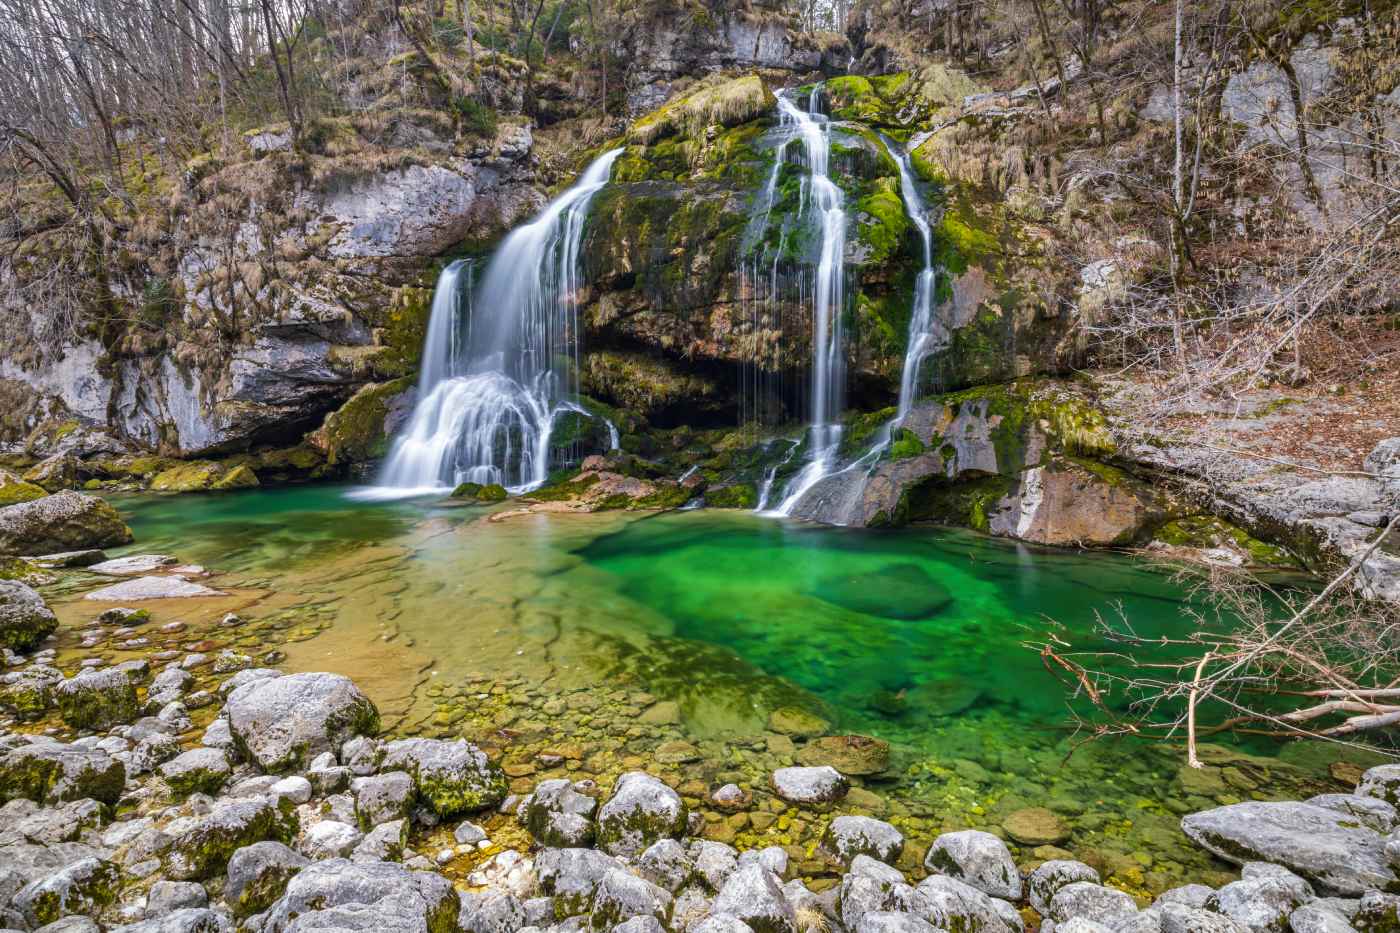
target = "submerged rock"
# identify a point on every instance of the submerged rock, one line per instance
(151, 588)
(25, 619)
(283, 722)
(849, 754)
(64, 521)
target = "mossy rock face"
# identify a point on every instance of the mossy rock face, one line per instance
(452, 778)
(13, 489)
(240, 477)
(641, 811)
(96, 700)
(735, 496)
(1208, 531)
(84, 887)
(53, 773)
(202, 847)
(357, 432)
(476, 492)
(25, 619)
(194, 476)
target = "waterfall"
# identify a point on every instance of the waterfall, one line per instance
(493, 382)
(826, 202)
(921, 320)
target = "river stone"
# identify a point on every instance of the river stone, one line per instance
(1381, 782)
(621, 895)
(490, 912)
(201, 846)
(976, 858)
(184, 920)
(667, 864)
(893, 921)
(258, 874)
(64, 521)
(1091, 901)
(1370, 811)
(714, 862)
(1082, 925)
(1192, 895)
(754, 895)
(571, 876)
(1050, 876)
(849, 754)
(96, 700)
(1319, 917)
(863, 892)
(28, 694)
(281, 723)
(721, 923)
(199, 770)
(953, 905)
(384, 843)
(330, 839)
(1262, 903)
(452, 778)
(849, 836)
(816, 786)
(84, 887)
(1377, 913)
(380, 897)
(25, 619)
(167, 896)
(640, 811)
(796, 722)
(52, 773)
(133, 565)
(1322, 845)
(1179, 918)
(1035, 826)
(382, 798)
(143, 588)
(895, 591)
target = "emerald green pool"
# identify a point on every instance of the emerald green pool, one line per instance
(921, 637)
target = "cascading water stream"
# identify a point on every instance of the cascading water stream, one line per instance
(489, 392)
(827, 204)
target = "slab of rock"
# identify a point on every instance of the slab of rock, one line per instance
(452, 778)
(66, 559)
(96, 700)
(849, 754)
(134, 565)
(283, 722)
(381, 897)
(849, 836)
(151, 588)
(52, 773)
(25, 619)
(978, 859)
(556, 814)
(201, 846)
(64, 521)
(1036, 826)
(640, 811)
(796, 722)
(814, 786)
(1371, 811)
(258, 875)
(1324, 846)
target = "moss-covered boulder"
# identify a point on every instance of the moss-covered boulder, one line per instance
(13, 489)
(83, 888)
(258, 875)
(199, 770)
(238, 477)
(95, 700)
(476, 492)
(452, 778)
(281, 723)
(642, 810)
(25, 619)
(195, 476)
(51, 773)
(362, 429)
(201, 846)
(733, 496)
(64, 521)
(28, 694)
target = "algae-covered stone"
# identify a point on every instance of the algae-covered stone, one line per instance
(64, 521)
(52, 772)
(1035, 826)
(199, 770)
(95, 700)
(571, 876)
(14, 490)
(453, 778)
(84, 887)
(28, 694)
(849, 754)
(976, 858)
(382, 798)
(622, 896)
(340, 895)
(194, 476)
(796, 722)
(734, 496)
(240, 477)
(641, 811)
(476, 492)
(25, 619)
(258, 875)
(361, 429)
(556, 814)
(281, 723)
(201, 846)
(849, 836)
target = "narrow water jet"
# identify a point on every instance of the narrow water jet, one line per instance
(493, 382)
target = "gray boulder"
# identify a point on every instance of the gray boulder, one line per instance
(97, 700)
(849, 836)
(640, 811)
(666, 863)
(976, 858)
(951, 904)
(1370, 811)
(1050, 876)
(84, 887)
(28, 694)
(754, 895)
(453, 778)
(382, 798)
(201, 846)
(199, 770)
(64, 521)
(52, 772)
(556, 814)
(622, 896)
(379, 897)
(1381, 782)
(1319, 917)
(720, 923)
(1322, 845)
(1377, 913)
(1090, 901)
(258, 874)
(812, 786)
(167, 896)
(1262, 903)
(490, 912)
(571, 876)
(384, 843)
(876, 888)
(1191, 895)
(640, 925)
(25, 619)
(281, 723)
(713, 862)
(184, 920)
(1179, 918)
(893, 921)
(330, 839)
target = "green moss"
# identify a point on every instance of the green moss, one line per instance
(1208, 531)
(718, 101)
(563, 491)
(451, 798)
(736, 496)
(666, 496)
(906, 444)
(882, 224)
(95, 709)
(193, 476)
(240, 477)
(355, 433)
(965, 504)
(860, 430)
(14, 490)
(492, 492)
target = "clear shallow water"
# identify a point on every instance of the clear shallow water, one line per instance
(531, 631)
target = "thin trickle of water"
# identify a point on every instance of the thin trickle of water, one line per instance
(490, 388)
(827, 204)
(765, 488)
(922, 325)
